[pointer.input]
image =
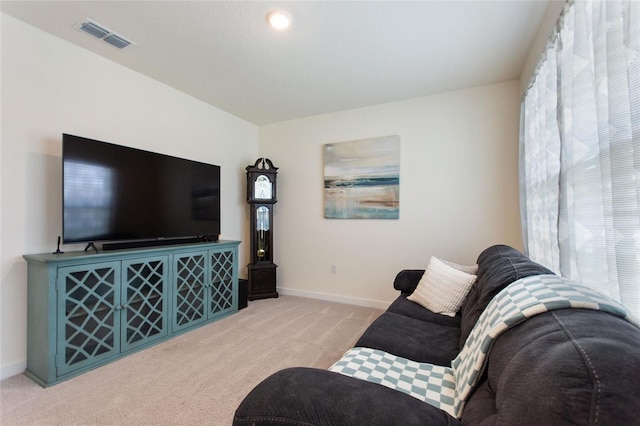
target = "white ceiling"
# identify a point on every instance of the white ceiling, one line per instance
(336, 55)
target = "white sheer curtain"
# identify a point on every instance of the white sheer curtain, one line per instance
(580, 150)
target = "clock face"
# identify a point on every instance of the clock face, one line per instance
(262, 188)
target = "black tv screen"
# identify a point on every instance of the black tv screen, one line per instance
(117, 193)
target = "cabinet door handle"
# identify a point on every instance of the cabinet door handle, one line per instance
(117, 307)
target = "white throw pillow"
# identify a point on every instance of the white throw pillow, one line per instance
(442, 288)
(469, 269)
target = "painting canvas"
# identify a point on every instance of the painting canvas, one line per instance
(362, 179)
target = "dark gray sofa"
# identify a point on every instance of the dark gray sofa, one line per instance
(563, 367)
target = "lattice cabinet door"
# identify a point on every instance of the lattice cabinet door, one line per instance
(222, 292)
(189, 297)
(88, 323)
(144, 305)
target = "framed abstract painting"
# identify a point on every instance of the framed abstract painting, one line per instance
(362, 179)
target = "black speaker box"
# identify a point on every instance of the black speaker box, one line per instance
(243, 293)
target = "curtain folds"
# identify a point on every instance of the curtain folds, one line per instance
(580, 150)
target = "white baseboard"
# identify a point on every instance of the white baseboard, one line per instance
(334, 298)
(12, 369)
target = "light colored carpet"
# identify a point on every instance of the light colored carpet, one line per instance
(196, 378)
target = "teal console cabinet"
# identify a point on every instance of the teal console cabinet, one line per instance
(88, 309)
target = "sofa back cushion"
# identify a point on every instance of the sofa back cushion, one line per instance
(498, 266)
(575, 366)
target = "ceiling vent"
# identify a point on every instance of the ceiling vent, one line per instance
(103, 33)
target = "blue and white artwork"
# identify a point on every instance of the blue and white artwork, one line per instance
(362, 179)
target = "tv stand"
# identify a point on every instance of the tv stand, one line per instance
(156, 243)
(87, 309)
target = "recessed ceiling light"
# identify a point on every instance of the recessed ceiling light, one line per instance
(279, 19)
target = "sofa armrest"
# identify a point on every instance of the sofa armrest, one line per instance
(309, 396)
(407, 280)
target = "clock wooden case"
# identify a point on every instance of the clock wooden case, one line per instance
(261, 196)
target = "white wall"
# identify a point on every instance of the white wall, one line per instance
(49, 87)
(458, 192)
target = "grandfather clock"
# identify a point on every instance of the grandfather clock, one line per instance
(261, 196)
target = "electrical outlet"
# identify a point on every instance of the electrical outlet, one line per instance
(334, 268)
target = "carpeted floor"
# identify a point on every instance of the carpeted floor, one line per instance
(199, 377)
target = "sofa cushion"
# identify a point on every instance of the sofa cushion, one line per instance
(498, 266)
(433, 384)
(560, 367)
(308, 396)
(411, 309)
(411, 338)
(442, 288)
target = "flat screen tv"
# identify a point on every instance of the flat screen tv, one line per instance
(127, 197)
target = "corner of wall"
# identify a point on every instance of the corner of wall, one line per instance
(554, 8)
